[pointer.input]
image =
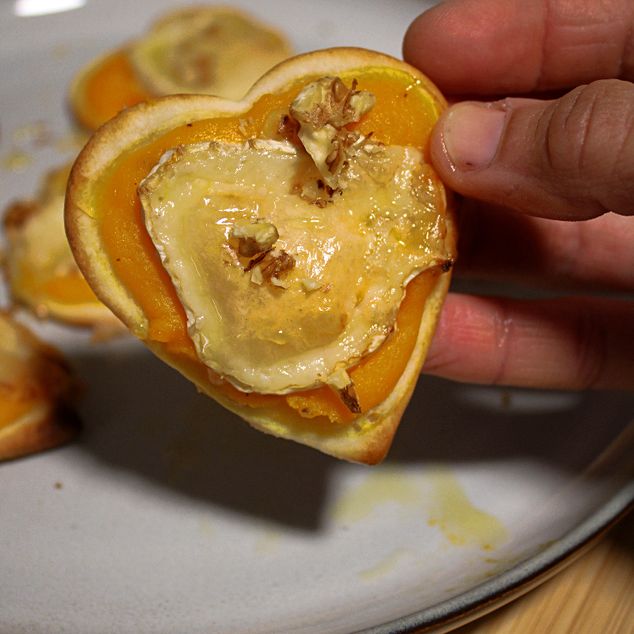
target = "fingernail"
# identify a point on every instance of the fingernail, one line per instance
(471, 135)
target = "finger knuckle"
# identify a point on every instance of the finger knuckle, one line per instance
(589, 137)
(502, 325)
(590, 345)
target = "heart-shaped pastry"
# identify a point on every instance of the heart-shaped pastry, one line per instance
(289, 253)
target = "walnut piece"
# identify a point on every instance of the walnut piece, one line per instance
(273, 265)
(349, 397)
(270, 267)
(328, 101)
(315, 192)
(254, 238)
(322, 110)
(341, 383)
(310, 285)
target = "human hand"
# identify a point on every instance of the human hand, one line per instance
(548, 187)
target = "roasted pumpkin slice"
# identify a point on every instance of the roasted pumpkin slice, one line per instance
(37, 391)
(289, 253)
(208, 50)
(39, 265)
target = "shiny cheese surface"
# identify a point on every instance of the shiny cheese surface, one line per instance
(352, 256)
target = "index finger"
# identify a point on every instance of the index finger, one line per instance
(493, 47)
(589, 255)
(563, 343)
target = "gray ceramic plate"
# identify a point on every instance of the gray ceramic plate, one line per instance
(170, 515)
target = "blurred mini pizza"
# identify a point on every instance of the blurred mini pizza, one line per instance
(204, 49)
(39, 266)
(37, 391)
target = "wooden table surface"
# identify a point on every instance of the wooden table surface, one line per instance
(594, 595)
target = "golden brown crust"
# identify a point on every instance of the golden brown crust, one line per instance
(42, 429)
(367, 440)
(36, 376)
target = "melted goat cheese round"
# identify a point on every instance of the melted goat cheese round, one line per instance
(323, 288)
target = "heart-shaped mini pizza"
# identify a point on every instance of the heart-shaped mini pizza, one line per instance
(289, 253)
(38, 264)
(200, 49)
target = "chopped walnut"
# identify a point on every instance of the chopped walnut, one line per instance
(276, 264)
(341, 382)
(343, 145)
(275, 281)
(310, 285)
(328, 101)
(349, 397)
(243, 127)
(322, 110)
(316, 192)
(271, 267)
(254, 238)
(256, 276)
(288, 129)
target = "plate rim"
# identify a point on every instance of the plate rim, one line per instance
(517, 580)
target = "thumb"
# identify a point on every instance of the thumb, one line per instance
(572, 158)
